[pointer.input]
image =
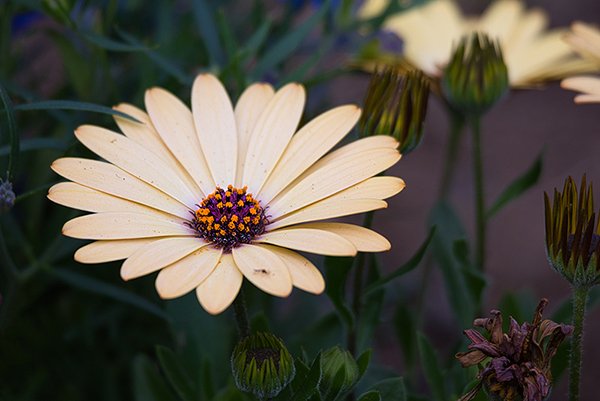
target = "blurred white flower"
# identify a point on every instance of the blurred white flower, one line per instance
(532, 53)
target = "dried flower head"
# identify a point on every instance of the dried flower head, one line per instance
(7, 196)
(572, 236)
(518, 362)
(476, 76)
(396, 105)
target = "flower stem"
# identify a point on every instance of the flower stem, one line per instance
(457, 124)
(357, 289)
(480, 220)
(580, 295)
(241, 314)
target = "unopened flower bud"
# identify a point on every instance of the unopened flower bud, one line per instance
(7, 196)
(340, 372)
(262, 365)
(476, 76)
(396, 105)
(572, 235)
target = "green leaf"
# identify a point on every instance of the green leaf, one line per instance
(449, 230)
(161, 61)
(286, 45)
(405, 326)
(110, 44)
(372, 395)
(11, 130)
(525, 181)
(363, 362)
(28, 145)
(475, 280)
(306, 385)
(205, 21)
(391, 389)
(431, 368)
(256, 41)
(298, 74)
(73, 105)
(108, 290)
(407, 267)
(176, 373)
(148, 385)
(336, 273)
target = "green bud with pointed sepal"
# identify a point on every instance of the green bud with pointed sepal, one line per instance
(476, 76)
(262, 365)
(396, 105)
(340, 373)
(572, 233)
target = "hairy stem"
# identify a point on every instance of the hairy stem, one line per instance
(241, 314)
(580, 295)
(480, 220)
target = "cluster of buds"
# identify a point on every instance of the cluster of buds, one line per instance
(396, 105)
(572, 236)
(7, 196)
(518, 362)
(476, 76)
(262, 365)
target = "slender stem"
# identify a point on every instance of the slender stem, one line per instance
(480, 221)
(241, 314)
(359, 272)
(457, 124)
(580, 295)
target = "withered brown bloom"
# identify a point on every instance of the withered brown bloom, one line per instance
(517, 363)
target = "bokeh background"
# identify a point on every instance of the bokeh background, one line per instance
(525, 124)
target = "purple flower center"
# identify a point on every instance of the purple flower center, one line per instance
(229, 217)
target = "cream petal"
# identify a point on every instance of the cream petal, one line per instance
(364, 239)
(188, 273)
(328, 208)
(219, 290)
(264, 269)
(271, 134)
(145, 135)
(362, 197)
(304, 274)
(111, 250)
(110, 179)
(124, 225)
(337, 174)
(309, 240)
(248, 110)
(308, 145)
(529, 27)
(174, 123)
(581, 99)
(136, 160)
(78, 197)
(589, 39)
(158, 254)
(501, 18)
(215, 126)
(585, 84)
(372, 8)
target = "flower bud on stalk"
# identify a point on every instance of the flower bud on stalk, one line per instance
(396, 105)
(572, 236)
(340, 372)
(7, 196)
(476, 76)
(262, 365)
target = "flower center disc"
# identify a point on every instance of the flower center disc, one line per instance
(229, 217)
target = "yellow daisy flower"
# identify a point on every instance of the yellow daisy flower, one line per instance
(532, 53)
(585, 40)
(211, 195)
